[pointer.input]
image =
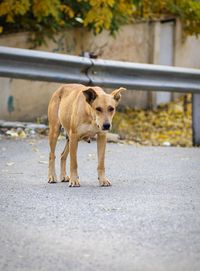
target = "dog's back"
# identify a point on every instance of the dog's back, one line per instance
(68, 92)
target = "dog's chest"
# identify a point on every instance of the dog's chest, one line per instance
(86, 131)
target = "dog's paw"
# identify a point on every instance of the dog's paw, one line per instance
(104, 182)
(64, 179)
(74, 182)
(52, 179)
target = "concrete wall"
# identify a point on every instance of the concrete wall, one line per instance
(187, 50)
(31, 98)
(136, 42)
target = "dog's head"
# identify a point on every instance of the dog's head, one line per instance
(103, 106)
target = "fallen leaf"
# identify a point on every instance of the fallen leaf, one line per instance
(22, 134)
(168, 124)
(10, 164)
(42, 162)
(12, 133)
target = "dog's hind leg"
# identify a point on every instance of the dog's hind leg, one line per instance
(54, 131)
(73, 146)
(53, 136)
(64, 154)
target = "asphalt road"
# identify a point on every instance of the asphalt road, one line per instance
(148, 220)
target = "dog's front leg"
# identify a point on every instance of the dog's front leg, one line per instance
(101, 146)
(73, 145)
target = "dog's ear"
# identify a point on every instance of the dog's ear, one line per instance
(117, 94)
(90, 95)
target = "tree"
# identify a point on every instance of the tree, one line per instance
(187, 10)
(44, 18)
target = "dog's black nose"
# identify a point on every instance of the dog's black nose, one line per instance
(106, 126)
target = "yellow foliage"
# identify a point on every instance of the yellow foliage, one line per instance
(101, 19)
(153, 9)
(187, 10)
(11, 8)
(169, 124)
(101, 12)
(67, 10)
(45, 17)
(44, 8)
(126, 7)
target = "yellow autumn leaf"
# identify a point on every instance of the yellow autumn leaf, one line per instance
(67, 10)
(10, 18)
(168, 125)
(5, 8)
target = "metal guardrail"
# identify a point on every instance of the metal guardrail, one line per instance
(144, 76)
(44, 66)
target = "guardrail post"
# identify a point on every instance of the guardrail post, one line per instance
(196, 118)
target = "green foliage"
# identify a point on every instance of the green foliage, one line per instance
(44, 18)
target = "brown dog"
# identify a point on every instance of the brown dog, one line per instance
(83, 112)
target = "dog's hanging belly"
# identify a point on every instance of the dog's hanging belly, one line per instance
(87, 131)
(87, 139)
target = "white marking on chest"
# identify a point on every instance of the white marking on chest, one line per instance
(87, 130)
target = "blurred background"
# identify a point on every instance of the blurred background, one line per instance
(164, 32)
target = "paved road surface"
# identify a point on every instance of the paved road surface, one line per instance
(148, 220)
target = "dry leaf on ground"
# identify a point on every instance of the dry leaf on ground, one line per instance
(168, 125)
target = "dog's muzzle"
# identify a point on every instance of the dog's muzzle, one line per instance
(106, 126)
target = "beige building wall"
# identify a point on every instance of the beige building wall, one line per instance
(187, 50)
(136, 43)
(31, 97)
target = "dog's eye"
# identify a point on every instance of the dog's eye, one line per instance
(110, 109)
(99, 109)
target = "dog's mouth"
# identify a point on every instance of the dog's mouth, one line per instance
(104, 127)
